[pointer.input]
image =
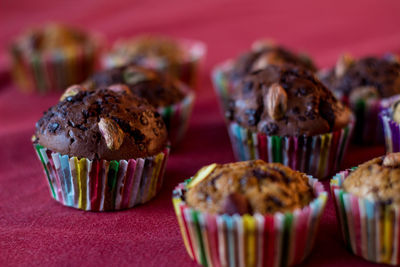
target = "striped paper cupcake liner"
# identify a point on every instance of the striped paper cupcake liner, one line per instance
(391, 130)
(319, 155)
(369, 229)
(186, 71)
(368, 128)
(177, 116)
(55, 70)
(101, 185)
(223, 87)
(281, 239)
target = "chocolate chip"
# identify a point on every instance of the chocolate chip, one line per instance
(144, 120)
(156, 131)
(53, 127)
(253, 117)
(275, 201)
(271, 128)
(311, 114)
(247, 87)
(302, 118)
(301, 92)
(156, 114)
(260, 174)
(296, 110)
(235, 203)
(137, 135)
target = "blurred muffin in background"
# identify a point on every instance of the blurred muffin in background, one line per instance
(178, 58)
(172, 98)
(53, 57)
(262, 54)
(367, 85)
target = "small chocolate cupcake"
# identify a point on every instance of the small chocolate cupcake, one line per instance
(227, 75)
(363, 84)
(367, 200)
(172, 99)
(284, 114)
(178, 58)
(233, 203)
(53, 57)
(102, 150)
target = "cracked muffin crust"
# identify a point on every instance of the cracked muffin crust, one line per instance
(376, 180)
(286, 101)
(248, 187)
(159, 90)
(109, 123)
(365, 77)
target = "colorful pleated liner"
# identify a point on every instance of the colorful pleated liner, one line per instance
(319, 155)
(370, 229)
(102, 185)
(186, 71)
(222, 84)
(391, 130)
(177, 116)
(282, 239)
(55, 70)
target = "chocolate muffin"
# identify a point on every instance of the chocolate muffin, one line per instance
(108, 123)
(367, 77)
(264, 54)
(248, 187)
(286, 101)
(376, 180)
(159, 90)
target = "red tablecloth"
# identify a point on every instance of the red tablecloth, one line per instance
(35, 230)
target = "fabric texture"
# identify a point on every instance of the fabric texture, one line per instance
(36, 230)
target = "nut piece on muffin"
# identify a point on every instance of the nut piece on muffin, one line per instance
(264, 54)
(159, 90)
(376, 180)
(368, 77)
(248, 187)
(53, 57)
(286, 101)
(108, 123)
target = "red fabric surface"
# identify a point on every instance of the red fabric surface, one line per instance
(35, 230)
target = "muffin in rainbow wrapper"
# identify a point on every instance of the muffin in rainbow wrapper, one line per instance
(365, 85)
(102, 150)
(284, 114)
(53, 57)
(249, 213)
(227, 75)
(367, 202)
(172, 99)
(179, 58)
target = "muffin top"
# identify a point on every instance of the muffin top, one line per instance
(248, 187)
(286, 101)
(158, 89)
(108, 123)
(144, 48)
(52, 37)
(376, 180)
(264, 54)
(366, 77)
